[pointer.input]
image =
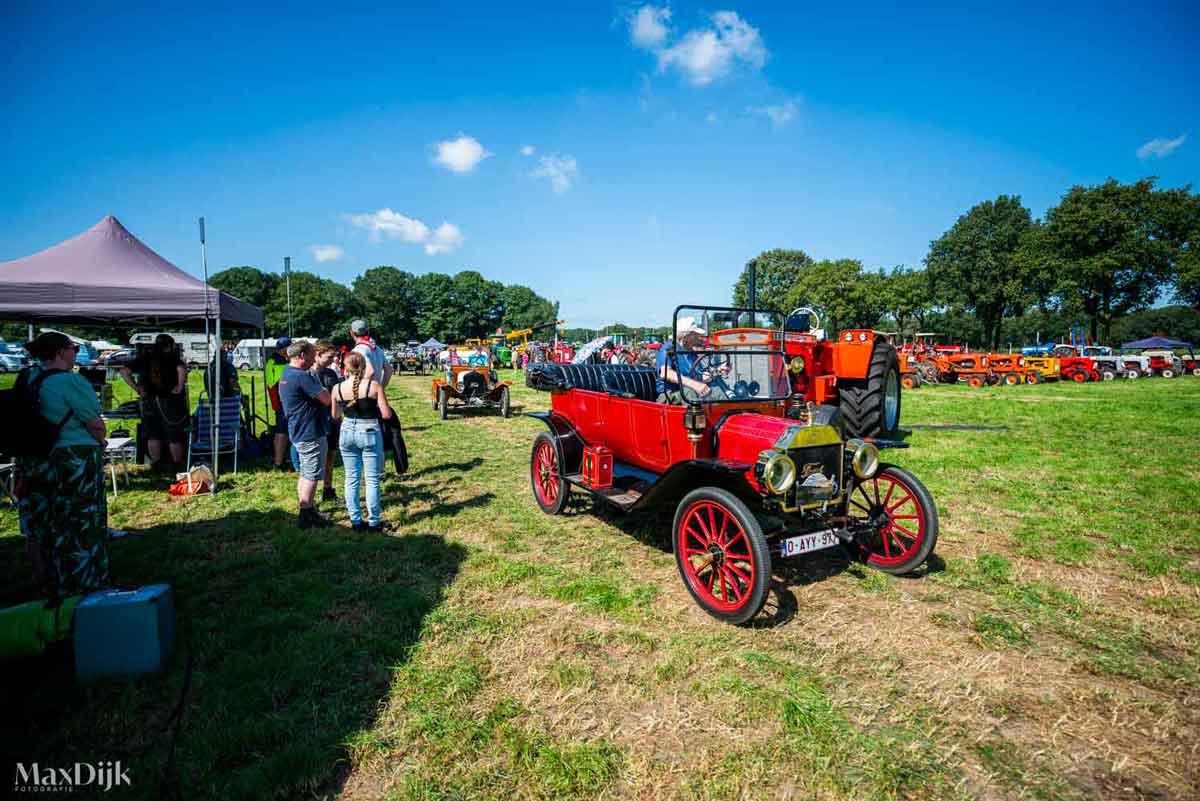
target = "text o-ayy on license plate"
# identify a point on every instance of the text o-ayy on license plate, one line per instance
(809, 542)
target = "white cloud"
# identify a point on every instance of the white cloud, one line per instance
(780, 114)
(322, 253)
(460, 155)
(560, 170)
(393, 225)
(1160, 148)
(446, 237)
(703, 55)
(528, 150)
(648, 26)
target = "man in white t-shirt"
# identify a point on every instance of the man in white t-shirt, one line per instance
(377, 363)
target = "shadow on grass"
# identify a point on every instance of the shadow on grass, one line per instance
(445, 467)
(295, 634)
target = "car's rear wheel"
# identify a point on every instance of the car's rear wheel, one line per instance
(903, 518)
(550, 489)
(871, 405)
(443, 402)
(722, 554)
(505, 402)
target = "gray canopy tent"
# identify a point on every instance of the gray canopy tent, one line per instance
(107, 275)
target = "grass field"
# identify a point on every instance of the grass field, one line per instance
(484, 650)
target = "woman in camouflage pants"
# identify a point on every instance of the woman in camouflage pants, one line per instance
(63, 506)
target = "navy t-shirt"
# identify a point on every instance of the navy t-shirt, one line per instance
(306, 418)
(681, 364)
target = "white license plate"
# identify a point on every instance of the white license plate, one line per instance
(809, 542)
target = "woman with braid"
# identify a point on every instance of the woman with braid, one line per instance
(360, 403)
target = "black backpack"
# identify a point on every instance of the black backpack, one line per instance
(25, 432)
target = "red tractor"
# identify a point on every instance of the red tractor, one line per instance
(754, 473)
(1075, 367)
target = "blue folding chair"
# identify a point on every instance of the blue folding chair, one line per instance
(229, 437)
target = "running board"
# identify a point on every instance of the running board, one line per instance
(622, 497)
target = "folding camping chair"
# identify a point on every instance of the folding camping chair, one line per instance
(8, 481)
(229, 437)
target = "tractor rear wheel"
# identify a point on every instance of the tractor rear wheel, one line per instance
(1033, 378)
(871, 405)
(722, 554)
(1012, 379)
(1108, 375)
(974, 381)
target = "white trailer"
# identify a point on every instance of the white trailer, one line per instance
(196, 348)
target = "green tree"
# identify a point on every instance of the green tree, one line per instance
(907, 298)
(435, 295)
(320, 307)
(524, 308)
(478, 304)
(973, 266)
(777, 272)
(391, 302)
(845, 296)
(1112, 249)
(247, 283)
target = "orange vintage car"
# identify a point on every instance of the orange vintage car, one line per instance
(470, 386)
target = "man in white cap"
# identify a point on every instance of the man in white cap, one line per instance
(377, 363)
(674, 363)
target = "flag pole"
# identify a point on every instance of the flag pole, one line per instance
(287, 278)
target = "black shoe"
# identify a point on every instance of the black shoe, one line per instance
(328, 495)
(359, 526)
(310, 518)
(378, 529)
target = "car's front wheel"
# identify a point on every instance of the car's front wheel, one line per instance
(443, 402)
(550, 488)
(722, 554)
(902, 518)
(505, 402)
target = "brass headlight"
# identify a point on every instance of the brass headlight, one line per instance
(864, 458)
(796, 365)
(777, 471)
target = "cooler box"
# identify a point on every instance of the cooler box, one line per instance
(597, 467)
(123, 634)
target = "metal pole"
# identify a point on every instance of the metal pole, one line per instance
(287, 279)
(753, 291)
(214, 421)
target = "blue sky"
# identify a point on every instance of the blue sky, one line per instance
(670, 144)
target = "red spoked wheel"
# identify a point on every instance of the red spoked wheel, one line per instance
(722, 554)
(902, 517)
(550, 489)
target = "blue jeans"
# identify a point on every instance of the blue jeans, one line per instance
(361, 444)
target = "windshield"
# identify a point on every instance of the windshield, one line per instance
(732, 353)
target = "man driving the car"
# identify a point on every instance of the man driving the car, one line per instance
(675, 374)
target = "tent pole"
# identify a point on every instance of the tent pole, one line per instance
(214, 419)
(262, 341)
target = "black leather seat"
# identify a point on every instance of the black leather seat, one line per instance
(625, 380)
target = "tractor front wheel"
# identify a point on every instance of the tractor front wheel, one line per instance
(1033, 378)
(908, 381)
(902, 516)
(1108, 375)
(1079, 376)
(722, 554)
(1012, 379)
(1132, 374)
(1167, 373)
(871, 405)
(975, 381)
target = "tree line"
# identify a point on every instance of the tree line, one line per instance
(398, 305)
(1101, 258)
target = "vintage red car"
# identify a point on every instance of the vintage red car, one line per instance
(755, 471)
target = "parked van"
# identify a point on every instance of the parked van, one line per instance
(194, 348)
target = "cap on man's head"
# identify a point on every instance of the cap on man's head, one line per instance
(359, 328)
(282, 343)
(687, 325)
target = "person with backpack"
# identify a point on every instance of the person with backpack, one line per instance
(60, 456)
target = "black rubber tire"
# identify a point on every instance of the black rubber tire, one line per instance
(564, 490)
(862, 400)
(443, 402)
(1033, 378)
(1108, 375)
(1132, 374)
(931, 521)
(758, 549)
(505, 402)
